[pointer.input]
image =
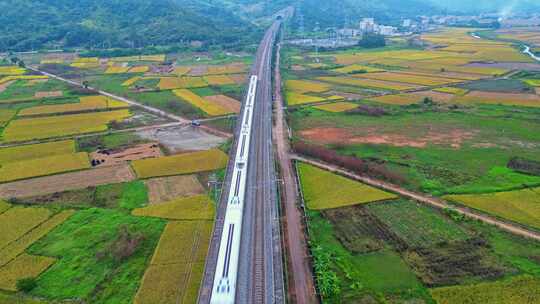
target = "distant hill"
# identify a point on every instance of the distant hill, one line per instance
(29, 24)
(488, 6)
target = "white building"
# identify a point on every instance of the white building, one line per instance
(367, 25)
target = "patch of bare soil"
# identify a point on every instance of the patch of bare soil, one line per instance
(503, 96)
(115, 157)
(183, 138)
(5, 85)
(453, 138)
(165, 189)
(68, 181)
(226, 102)
(48, 94)
(436, 96)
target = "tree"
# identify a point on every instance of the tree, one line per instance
(26, 284)
(370, 41)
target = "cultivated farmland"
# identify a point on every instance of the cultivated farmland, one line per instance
(198, 207)
(186, 163)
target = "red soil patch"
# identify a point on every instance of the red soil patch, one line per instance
(68, 181)
(238, 78)
(226, 102)
(453, 138)
(111, 158)
(48, 94)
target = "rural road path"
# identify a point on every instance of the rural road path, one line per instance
(302, 286)
(126, 100)
(423, 198)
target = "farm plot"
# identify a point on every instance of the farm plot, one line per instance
(325, 190)
(55, 126)
(213, 109)
(67, 181)
(139, 69)
(198, 207)
(150, 58)
(24, 266)
(11, 70)
(166, 189)
(522, 206)
(18, 246)
(4, 206)
(369, 83)
(87, 103)
(131, 81)
(17, 221)
(217, 80)
(177, 265)
(294, 98)
(452, 90)
(21, 77)
(357, 69)
(516, 290)
(6, 115)
(186, 163)
(408, 78)
(225, 102)
(398, 99)
(169, 83)
(303, 86)
(117, 70)
(508, 99)
(337, 107)
(233, 68)
(87, 263)
(26, 152)
(417, 224)
(44, 166)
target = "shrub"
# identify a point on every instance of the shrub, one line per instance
(26, 284)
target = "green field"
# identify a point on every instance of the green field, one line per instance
(90, 263)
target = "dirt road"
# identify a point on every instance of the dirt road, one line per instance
(301, 284)
(423, 198)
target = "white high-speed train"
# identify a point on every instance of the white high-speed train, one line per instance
(224, 289)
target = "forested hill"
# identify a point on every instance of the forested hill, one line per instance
(30, 24)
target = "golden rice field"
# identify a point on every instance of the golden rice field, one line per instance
(56, 126)
(20, 245)
(85, 65)
(198, 207)
(155, 58)
(337, 107)
(304, 86)
(357, 68)
(181, 70)
(131, 81)
(369, 83)
(169, 83)
(11, 70)
(451, 90)
(87, 103)
(20, 153)
(509, 99)
(398, 99)
(24, 266)
(86, 60)
(521, 206)
(6, 115)
(139, 69)
(44, 166)
(523, 289)
(17, 221)
(185, 163)
(116, 70)
(367, 57)
(21, 77)
(294, 98)
(325, 190)
(217, 80)
(176, 269)
(408, 78)
(209, 107)
(4, 206)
